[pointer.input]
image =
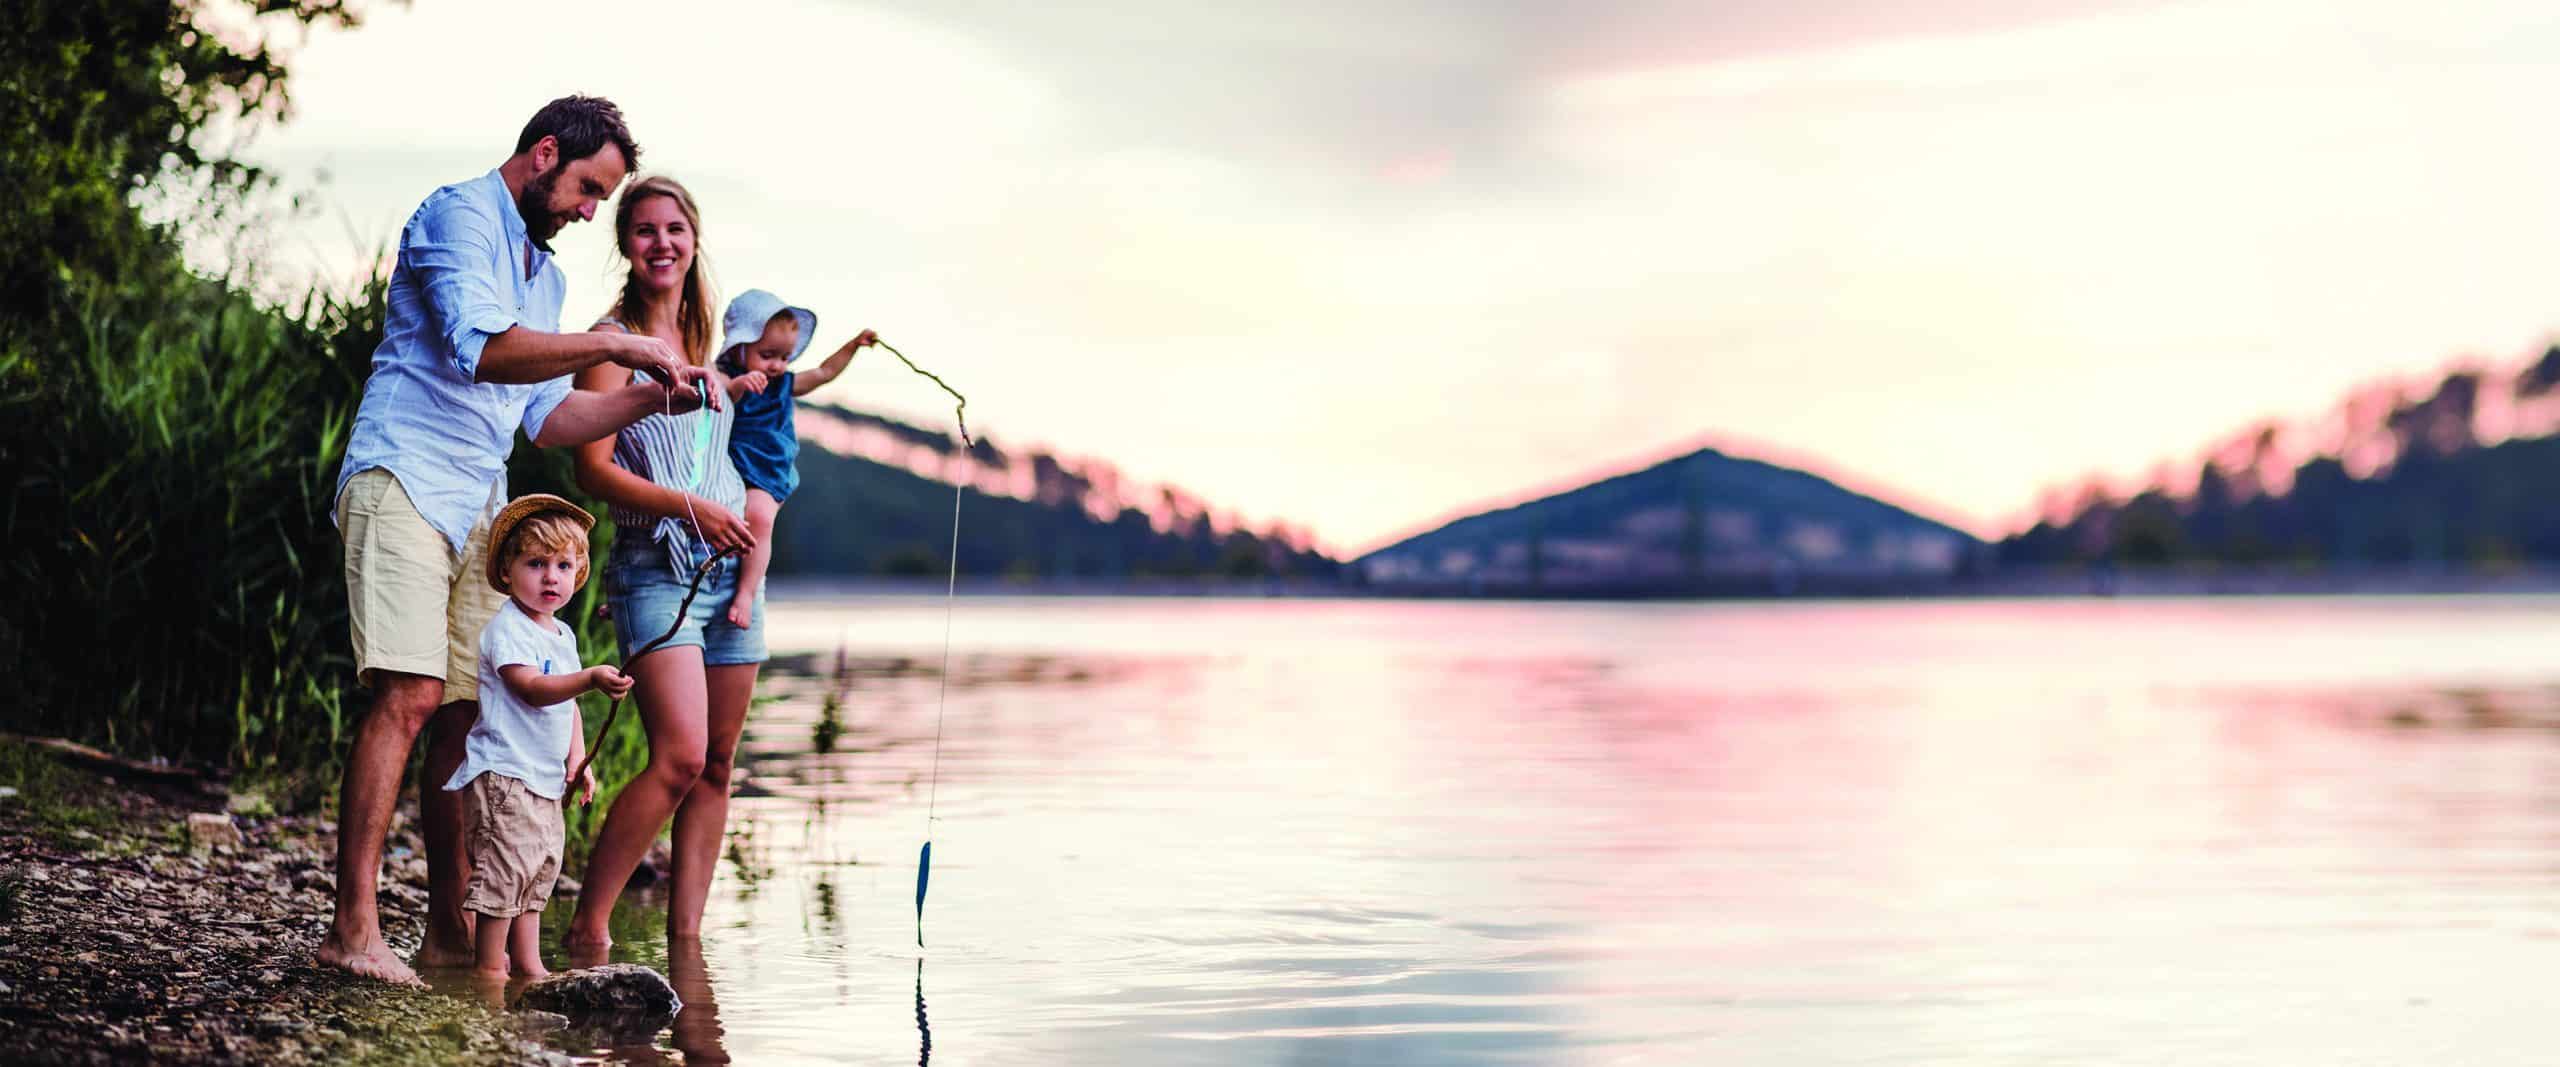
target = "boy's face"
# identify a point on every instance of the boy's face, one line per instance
(771, 353)
(542, 580)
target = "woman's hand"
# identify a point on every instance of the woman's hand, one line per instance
(720, 526)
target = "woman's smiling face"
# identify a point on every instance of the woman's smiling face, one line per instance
(658, 240)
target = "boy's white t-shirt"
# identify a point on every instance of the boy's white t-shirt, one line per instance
(527, 743)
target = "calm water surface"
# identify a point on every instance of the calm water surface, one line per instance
(1242, 832)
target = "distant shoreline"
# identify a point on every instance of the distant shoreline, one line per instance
(2041, 583)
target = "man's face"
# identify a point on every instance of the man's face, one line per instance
(562, 193)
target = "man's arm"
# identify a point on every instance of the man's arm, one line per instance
(522, 355)
(585, 416)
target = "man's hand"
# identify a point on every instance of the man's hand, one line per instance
(609, 680)
(687, 385)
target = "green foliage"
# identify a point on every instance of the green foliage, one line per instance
(174, 578)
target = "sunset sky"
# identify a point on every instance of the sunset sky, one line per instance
(1360, 266)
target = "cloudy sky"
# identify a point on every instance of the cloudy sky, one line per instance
(1361, 266)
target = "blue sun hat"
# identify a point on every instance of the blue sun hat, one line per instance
(745, 321)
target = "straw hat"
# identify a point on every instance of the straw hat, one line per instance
(526, 507)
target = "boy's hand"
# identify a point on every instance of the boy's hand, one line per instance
(609, 680)
(585, 787)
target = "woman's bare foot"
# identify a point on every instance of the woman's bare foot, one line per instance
(375, 961)
(534, 969)
(742, 611)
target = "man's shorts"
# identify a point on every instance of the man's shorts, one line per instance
(415, 606)
(512, 836)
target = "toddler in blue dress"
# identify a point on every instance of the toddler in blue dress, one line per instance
(760, 336)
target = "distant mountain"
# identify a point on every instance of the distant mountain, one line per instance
(1704, 522)
(875, 499)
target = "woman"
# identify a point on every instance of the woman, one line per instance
(675, 499)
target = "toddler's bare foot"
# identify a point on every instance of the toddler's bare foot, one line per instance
(375, 961)
(742, 612)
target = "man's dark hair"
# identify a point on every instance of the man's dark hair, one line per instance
(583, 125)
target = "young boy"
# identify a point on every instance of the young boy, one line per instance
(517, 758)
(760, 336)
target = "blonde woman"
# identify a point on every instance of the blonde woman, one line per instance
(675, 499)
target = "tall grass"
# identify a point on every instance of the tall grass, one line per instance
(173, 576)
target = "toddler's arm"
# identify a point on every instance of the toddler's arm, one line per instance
(752, 381)
(826, 372)
(543, 690)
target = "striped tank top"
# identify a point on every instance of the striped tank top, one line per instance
(688, 453)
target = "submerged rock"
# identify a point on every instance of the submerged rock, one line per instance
(619, 998)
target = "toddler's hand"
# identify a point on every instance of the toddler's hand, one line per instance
(610, 681)
(866, 337)
(752, 381)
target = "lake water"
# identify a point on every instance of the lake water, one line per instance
(1185, 831)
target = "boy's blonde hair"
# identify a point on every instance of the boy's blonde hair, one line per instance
(548, 531)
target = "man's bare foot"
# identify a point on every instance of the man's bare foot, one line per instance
(742, 611)
(376, 961)
(586, 951)
(436, 957)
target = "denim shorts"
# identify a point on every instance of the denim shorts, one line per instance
(641, 585)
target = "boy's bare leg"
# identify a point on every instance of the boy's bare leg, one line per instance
(489, 945)
(402, 703)
(524, 944)
(761, 508)
(449, 939)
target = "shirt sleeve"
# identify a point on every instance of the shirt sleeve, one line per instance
(510, 640)
(450, 249)
(546, 399)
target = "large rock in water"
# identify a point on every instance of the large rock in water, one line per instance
(619, 998)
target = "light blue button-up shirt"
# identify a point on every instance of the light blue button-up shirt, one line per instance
(467, 272)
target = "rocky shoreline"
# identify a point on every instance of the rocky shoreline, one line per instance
(147, 922)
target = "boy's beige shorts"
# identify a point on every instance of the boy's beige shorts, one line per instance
(414, 605)
(512, 835)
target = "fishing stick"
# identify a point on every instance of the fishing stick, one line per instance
(698, 574)
(950, 593)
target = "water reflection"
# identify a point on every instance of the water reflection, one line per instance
(1219, 833)
(697, 1033)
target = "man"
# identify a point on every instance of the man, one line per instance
(471, 350)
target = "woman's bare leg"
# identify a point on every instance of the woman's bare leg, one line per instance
(670, 690)
(704, 815)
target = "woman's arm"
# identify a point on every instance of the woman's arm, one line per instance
(599, 475)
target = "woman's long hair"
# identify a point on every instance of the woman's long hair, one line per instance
(693, 309)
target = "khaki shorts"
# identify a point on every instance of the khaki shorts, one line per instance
(414, 605)
(513, 837)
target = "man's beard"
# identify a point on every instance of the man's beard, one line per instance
(535, 205)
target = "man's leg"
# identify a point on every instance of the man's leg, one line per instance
(402, 704)
(449, 940)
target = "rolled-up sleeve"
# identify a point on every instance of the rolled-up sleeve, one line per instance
(546, 399)
(452, 249)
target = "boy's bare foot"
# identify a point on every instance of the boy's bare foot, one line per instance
(742, 611)
(375, 961)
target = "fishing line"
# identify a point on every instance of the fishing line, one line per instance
(702, 444)
(950, 595)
